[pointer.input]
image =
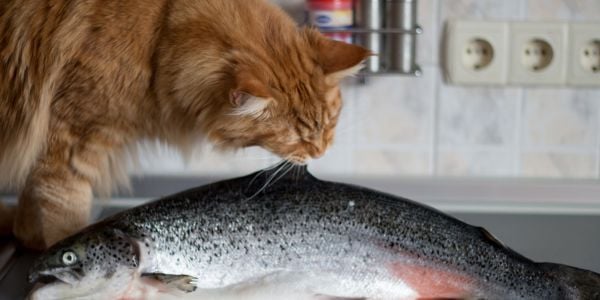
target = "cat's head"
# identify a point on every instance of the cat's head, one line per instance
(287, 101)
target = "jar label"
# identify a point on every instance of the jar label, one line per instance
(331, 18)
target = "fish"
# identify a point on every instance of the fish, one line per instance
(301, 236)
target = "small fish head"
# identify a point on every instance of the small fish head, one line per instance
(90, 255)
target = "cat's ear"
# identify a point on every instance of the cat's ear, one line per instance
(250, 97)
(249, 105)
(338, 59)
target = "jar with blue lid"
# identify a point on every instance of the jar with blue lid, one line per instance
(332, 15)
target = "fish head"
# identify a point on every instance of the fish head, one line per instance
(89, 258)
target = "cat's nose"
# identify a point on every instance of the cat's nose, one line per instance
(318, 154)
(316, 150)
(298, 159)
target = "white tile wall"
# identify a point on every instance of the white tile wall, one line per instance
(585, 10)
(562, 118)
(422, 127)
(548, 164)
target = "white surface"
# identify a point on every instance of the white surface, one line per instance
(455, 195)
(582, 36)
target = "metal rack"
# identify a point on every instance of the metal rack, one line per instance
(406, 52)
(389, 28)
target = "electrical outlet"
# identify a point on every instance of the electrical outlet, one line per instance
(476, 52)
(538, 53)
(584, 55)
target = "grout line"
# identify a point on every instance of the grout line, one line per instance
(533, 149)
(436, 32)
(519, 121)
(395, 147)
(353, 134)
(437, 82)
(598, 143)
(435, 128)
(477, 148)
(581, 149)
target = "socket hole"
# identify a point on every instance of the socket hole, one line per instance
(479, 54)
(590, 60)
(538, 55)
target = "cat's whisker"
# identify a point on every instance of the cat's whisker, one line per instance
(278, 169)
(262, 172)
(256, 176)
(296, 172)
(268, 181)
(274, 166)
(290, 167)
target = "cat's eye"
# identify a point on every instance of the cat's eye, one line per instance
(69, 258)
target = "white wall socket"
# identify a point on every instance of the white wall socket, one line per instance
(476, 52)
(522, 53)
(584, 62)
(538, 53)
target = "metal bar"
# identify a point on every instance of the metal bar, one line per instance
(416, 31)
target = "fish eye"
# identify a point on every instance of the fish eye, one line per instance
(69, 258)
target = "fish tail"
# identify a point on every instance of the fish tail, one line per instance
(576, 283)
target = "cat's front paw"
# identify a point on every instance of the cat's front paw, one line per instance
(42, 222)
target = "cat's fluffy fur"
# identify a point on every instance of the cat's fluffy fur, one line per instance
(82, 80)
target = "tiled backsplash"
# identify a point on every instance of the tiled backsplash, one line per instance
(422, 127)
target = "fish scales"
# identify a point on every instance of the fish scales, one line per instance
(362, 241)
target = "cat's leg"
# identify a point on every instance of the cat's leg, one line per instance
(54, 204)
(57, 198)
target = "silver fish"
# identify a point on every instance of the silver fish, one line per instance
(320, 239)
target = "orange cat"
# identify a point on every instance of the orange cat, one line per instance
(81, 80)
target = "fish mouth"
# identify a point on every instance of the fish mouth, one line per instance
(60, 275)
(45, 279)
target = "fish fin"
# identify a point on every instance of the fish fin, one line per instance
(184, 283)
(490, 237)
(433, 283)
(495, 241)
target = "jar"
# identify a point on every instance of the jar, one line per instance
(332, 15)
